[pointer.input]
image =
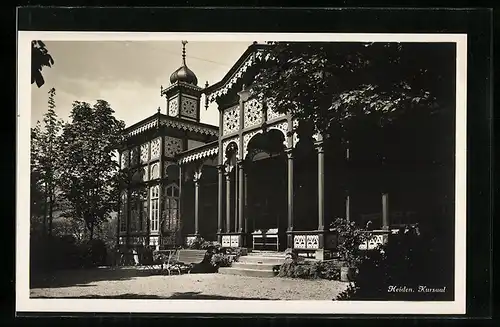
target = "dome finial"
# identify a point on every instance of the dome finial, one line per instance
(184, 52)
(183, 74)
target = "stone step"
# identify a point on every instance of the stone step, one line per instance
(261, 260)
(255, 266)
(267, 254)
(246, 272)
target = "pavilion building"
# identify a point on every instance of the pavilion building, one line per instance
(254, 181)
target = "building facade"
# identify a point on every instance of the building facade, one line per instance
(254, 181)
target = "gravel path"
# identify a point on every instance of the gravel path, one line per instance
(128, 283)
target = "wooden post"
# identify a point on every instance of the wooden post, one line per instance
(220, 201)
(196, 206)
(228, 202)
(348, 207)
(245, 211)
(241, 202)
(236, 196)
(385, 211)
(321, 187)
(289, 232)
(320, 253)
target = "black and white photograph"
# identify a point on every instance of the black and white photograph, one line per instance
(262, 172)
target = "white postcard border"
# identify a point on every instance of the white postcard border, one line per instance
(25, 304)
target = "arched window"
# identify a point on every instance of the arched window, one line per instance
(155, 208)
(155, 171)
(137, 204)
(171, 207)
(123, 212)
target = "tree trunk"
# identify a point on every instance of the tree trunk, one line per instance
(45, 209)
(91, 231)
(51, 210)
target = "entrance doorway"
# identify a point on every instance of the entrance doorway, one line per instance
(267, 187)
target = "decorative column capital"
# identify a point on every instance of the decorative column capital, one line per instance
(319, 146)
(289, 153)
(240, 164)
(220, 168)
(197, 173)
(227, 169)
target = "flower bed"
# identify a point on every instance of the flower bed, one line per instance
(310, 269)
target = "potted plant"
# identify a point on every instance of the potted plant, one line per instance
(350, 237)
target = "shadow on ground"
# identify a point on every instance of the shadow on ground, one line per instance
(175, 296)
(83, 277)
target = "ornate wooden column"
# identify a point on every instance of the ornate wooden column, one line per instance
(348, 183)
(220, 201)
(241, 201)
(385, 211)
(196, 180)
(321, 193)
(180, 237)
(347, 206)
(245, 210)
(289, 231)
(228, 201)
(236, 196)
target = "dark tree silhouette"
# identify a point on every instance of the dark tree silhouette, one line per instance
(89, 169)
(337, 85)
(40, 58)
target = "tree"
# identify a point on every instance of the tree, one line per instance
(335, 86)
(90, 170)
(37, 205)
(40, 58)
(390, 104)
(45, 157)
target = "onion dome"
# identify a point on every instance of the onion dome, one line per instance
(184, 74)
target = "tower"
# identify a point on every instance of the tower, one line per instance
(183, 95)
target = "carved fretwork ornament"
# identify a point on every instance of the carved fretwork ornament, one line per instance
(319, 146)
(198, 172)
(228, 168)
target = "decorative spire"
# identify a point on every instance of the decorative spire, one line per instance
(184, 52)
(206, 97)
(183, 73)
(161, 90)
(159, 109)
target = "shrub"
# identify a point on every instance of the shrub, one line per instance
(406, 260)
(93, 253)
(329, 270)
(221, 260)
(199, 243)
(196, 243)
(350, 238)
(310, 270)
(234, 253)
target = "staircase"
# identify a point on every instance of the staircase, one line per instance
(255, 264)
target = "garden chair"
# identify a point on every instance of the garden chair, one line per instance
(185, 260)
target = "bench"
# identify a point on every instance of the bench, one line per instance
(185, 260)
(266, 240)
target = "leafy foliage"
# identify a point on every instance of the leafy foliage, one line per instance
(90, 170)
(40, 58)
(221, 260)
(408, 260)
(45, 164)
(350, 238)
(199, 243)
(310, 270)
(334, 85)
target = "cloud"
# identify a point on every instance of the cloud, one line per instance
(128, 75)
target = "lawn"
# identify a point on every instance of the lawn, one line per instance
(136, 284)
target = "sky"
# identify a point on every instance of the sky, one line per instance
(128, 75)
